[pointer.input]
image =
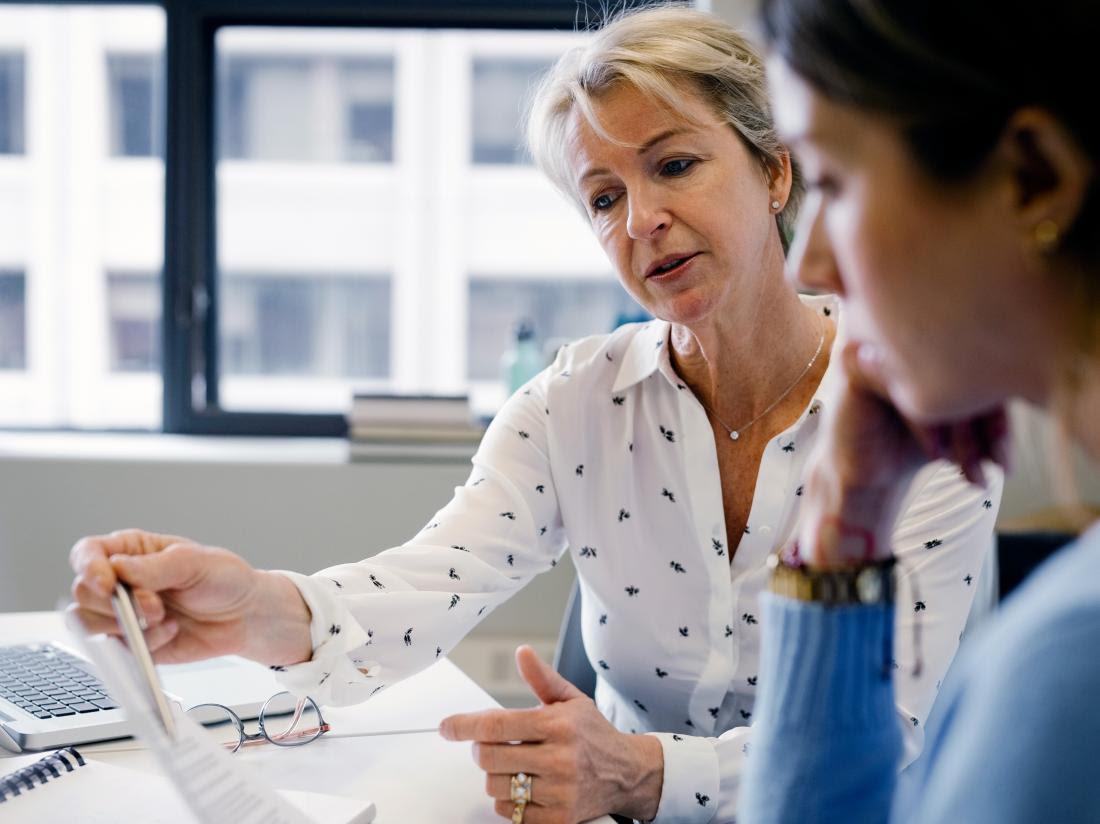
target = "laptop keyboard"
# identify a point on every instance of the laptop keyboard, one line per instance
(48, 682)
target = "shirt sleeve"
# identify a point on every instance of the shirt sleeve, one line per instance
(701, 776)
(386, 617)
(941, 540)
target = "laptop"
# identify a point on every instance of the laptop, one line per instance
(50, 696)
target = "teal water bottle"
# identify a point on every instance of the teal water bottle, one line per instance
(523, 361)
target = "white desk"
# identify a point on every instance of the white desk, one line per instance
(412, 779)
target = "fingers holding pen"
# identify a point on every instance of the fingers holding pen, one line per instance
(92, 559)
(100, 561)
(97, 615)
(152, 616)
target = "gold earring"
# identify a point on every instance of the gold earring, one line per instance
(1046, 235)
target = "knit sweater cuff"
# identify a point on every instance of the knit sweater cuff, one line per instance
(827, 668)
(826, 736)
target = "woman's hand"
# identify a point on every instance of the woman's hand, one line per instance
(869, 453)
(197, 601)
(582, 767)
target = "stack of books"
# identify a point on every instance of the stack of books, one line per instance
(420, 425)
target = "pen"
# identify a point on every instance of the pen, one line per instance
(123, 605)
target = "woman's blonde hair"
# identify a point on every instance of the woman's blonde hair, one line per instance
(659, 50)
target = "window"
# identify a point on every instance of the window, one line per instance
(11, 103)
(351, 215)
(305, 183)
(133, 306)
(13, 323)
(136, 105)
(349, 209)
(317, 108)
(501, 91)
(308, 326)
(82, 206)
(561, 311)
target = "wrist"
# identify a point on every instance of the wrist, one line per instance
(642, 797)
(869, 584)
(277, 626)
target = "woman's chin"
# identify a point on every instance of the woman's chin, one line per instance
(686, 309)
(940, 406)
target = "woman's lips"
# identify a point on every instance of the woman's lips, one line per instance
(667, 274)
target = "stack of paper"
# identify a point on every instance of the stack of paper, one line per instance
(410, 421)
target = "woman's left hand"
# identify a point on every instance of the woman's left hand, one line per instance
(581, 766)
(868, 455)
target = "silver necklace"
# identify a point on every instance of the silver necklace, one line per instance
(735, 434)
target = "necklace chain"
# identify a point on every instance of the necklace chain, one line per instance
(735, 434)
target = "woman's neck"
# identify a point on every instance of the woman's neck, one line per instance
(740, 361)
(1078, 405)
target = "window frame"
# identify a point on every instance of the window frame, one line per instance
(189, 308)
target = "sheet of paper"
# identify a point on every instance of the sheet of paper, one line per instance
(100, 793)
(215, 788)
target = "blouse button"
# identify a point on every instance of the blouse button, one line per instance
(765, 530)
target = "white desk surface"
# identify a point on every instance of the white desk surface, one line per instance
(412, 779)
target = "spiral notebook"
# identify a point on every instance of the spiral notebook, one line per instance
(65, 786)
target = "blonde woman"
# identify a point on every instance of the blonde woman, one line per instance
(666, 457)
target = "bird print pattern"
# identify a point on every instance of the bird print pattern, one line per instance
(613, 483)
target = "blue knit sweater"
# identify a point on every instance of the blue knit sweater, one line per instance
(1014, 737)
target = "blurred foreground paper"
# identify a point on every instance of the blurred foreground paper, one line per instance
(215, 787)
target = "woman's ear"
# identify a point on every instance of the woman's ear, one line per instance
(779, 177)
(1049, 172)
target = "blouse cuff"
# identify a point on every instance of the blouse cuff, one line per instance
(339, 671)
(689, 791)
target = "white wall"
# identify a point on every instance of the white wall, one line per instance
(299, 504)
(282, 504)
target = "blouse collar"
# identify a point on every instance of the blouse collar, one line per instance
(648, 352)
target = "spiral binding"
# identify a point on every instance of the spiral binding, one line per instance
(40, 772)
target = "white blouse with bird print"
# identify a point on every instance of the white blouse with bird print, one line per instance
(608, 455)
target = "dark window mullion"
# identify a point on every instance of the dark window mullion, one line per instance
(189, 213)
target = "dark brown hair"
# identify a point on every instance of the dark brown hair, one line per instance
(952, 72)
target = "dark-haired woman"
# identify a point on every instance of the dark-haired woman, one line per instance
(954, 208)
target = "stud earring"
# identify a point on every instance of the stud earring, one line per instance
(775, 205)
(1046, 235)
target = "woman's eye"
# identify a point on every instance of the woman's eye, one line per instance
(602, 203)
(674, 168)
(825, 184)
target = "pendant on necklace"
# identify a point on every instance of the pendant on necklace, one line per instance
(734, 434)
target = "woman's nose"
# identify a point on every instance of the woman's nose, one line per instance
(810, 261)
(646, 217)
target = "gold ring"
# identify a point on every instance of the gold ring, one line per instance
(520, 795)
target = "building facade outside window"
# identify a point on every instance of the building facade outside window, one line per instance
(13, 321)
(303, 109)
(11, 103)
(136, 114)
(378, 224)
(502, 88)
